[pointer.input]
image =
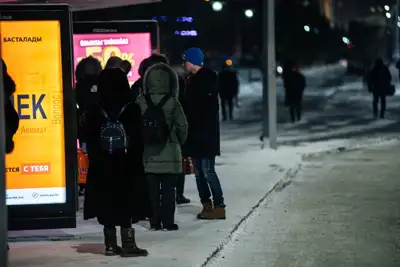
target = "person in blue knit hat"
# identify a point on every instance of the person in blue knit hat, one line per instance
(201, 106)
(194, 56)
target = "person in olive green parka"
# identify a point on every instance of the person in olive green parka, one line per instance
(163, 167)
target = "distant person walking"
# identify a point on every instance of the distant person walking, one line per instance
(294, 83)
(398, 67)
(203, 142)
(228, 89)
(379, 86)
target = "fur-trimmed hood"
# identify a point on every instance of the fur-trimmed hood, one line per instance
(160, 79)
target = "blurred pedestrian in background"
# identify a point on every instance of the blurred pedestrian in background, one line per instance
(380, 86)
(228, 89)
(294, 83)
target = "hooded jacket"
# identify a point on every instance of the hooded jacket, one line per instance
(158, 81)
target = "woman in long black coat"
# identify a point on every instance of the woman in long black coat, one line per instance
(113, 179)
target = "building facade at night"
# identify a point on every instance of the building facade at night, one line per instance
(327, 9)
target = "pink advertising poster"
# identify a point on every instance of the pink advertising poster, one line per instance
(133, 47)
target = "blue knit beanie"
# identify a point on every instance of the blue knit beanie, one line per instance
(195, 56)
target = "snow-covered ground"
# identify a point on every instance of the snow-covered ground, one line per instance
(335, 107)
(340, 210)
(247, 175)
(320, 80)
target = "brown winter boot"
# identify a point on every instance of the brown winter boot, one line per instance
(129, 247)
(219, 213)
(216, 214)
(110, 241)
(207, 209)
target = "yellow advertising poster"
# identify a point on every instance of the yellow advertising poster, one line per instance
(36, 168)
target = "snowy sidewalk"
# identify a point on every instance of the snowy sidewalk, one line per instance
(340, 210)
(247, 178)
(248, 175)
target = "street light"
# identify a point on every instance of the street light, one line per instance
(217, 6)
(249, 13)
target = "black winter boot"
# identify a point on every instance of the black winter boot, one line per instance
(129, 247)
(110, 241)
(180, 188)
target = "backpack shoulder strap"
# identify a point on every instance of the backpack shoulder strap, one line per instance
(123, 109)
(163, 101)
(104, 113)
(149, 102)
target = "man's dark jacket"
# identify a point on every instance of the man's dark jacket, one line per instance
(11, 116)
(200, 103)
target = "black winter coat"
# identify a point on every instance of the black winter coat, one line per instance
(114, 182)
(228, 84)
(379, 79)
(136, 89)
(201, 107)
(11, 116)
(11, 123)
(86, 96)
(294, 83)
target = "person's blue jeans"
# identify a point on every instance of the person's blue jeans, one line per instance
(206, 179)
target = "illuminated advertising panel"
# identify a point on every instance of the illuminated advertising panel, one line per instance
(133, 47)
(41, 172)
(36, 168)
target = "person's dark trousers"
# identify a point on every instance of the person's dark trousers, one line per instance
(207, 181)
(162, 198)
(227, 108)
(180, 189)
(180, 186)
(295, 111)
(378, 97)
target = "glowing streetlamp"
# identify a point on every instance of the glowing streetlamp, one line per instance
(249, 13)
(217, 6)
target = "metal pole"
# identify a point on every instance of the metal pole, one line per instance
(397, 30)
(3, 205)
(269, 76)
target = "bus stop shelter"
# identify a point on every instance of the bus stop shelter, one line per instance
(75, 5)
